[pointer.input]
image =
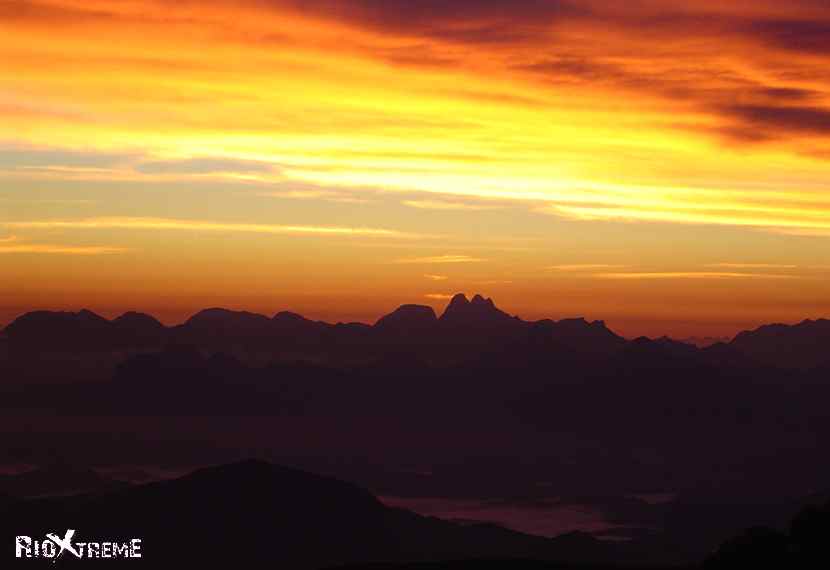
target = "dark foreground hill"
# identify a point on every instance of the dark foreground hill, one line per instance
(255, 512)
(55, 479)
(491, 564)
(802, 546)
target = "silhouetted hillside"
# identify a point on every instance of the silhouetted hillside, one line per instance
(504, 564)
(55, 479)
(803, 345)
(256, 512)
(138, 330)
(704, 341)
(408, 320)
(802, 546)
(62, 331)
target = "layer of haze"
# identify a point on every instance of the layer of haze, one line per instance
(662, 166)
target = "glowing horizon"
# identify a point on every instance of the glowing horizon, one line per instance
(663, 168)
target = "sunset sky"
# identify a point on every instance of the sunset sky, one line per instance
(664, 166)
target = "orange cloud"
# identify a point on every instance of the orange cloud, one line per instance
(60, 249)
(438, 296)
(692, 275)
(574, 267)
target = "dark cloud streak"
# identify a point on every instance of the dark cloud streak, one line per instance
(802, 36)
(471, 22)
(808, 120)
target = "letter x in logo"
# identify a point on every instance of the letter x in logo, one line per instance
(64, 543)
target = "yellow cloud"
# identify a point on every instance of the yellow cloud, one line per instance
(207, 226)
(770, 211)
(729, 265)
(329, 196)
(442, 259)
(442, 205)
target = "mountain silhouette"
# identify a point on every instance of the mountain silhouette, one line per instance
(704, 341)
(256, 512)
(803, 345)
(464, 330)
(138, 330)
(578, 335)
(55, 479)
(408, 319)
(222, 326)
(83, 330)
(474, 313)
(288, 323)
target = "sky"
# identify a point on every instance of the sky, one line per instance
(663, 166)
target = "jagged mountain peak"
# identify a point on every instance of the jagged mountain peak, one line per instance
(479, 311)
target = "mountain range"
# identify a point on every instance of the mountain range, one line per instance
(459, 333)
(472, 404)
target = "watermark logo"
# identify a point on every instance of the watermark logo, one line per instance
(55, 547)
